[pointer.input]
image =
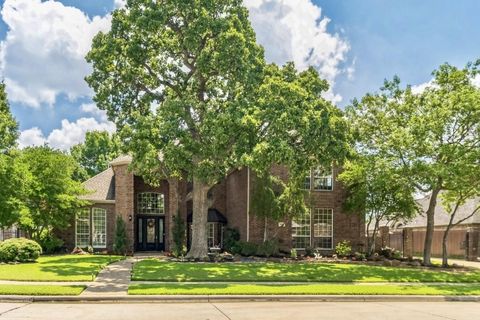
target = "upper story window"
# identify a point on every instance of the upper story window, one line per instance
(319, 179)
(150, 203)
(323, 178)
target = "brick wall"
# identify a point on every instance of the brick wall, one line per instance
(124, 200)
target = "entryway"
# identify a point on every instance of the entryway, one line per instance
(150, 233)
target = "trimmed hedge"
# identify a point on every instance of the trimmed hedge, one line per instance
(19, 250)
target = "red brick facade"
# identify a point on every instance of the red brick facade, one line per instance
(231, 198)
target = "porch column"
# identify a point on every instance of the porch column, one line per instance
(473, 243)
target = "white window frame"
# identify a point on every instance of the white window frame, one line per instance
(320, 177)
(93, 228)
(316, 211)
(144, 210)
(83, 211)
(309, 236)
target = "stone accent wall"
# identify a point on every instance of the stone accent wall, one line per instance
(124, 200)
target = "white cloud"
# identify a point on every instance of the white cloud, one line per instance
(31, 137)
(476, 81)
(43, 53)
(119, 3)
(295, 30)
(92, 109)
(69, 134)
(419, 88)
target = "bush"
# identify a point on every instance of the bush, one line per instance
(343, 248)
(230, 240)
(390, 253)
(245, 248)
(50, 244)
(293, 254)
(309, 252)
(360, 256)
(19, 250)
(268, 249)
(120, 245)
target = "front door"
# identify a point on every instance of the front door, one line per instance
(150, 233)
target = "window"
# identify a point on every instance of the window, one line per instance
(99, 228)
(82, 228)
(301, 231)
(307, 183)
(210, 234)
(150, 203)
(91, 228)
(323, 178)
(323, 228)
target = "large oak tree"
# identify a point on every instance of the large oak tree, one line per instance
(192, 97)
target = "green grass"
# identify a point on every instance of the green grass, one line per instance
(299, 289)
(57, 268)
(41, 290)
(155, 270)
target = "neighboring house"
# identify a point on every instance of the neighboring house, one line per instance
(463, 239)
(148, 211)
(12, 232)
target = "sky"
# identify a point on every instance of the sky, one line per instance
(354, 44)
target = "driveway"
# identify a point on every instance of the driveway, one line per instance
(245, 311)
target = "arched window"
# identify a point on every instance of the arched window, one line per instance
(150, 203)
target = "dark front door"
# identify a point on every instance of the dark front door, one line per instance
(150, 233)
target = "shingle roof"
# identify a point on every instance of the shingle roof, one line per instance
(442, 217)
(102, 187)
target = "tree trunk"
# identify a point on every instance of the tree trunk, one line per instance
(444, 248)
(265, 230)
(372, 247)
(427, 248)
(199, 246)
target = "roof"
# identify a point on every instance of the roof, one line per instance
(123, 159)
(441, 216)
(101, 186)
(213, 216)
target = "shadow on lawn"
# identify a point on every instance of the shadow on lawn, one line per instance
(292, 272)
(75, 265)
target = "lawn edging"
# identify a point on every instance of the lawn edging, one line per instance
(236, 298)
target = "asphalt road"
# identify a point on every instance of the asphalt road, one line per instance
(244, 310)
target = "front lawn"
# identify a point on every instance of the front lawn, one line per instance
(299, 289)
(58, 268)
(41, 290)
(155, 270)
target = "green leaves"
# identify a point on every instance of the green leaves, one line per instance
(8, 125)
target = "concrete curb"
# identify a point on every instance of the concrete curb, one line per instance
(235, 298)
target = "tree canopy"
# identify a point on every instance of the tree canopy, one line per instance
(95, 153)
(53, 196)
(434, 135)
(8, 125)
(193, 98)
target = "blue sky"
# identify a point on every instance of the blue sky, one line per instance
(360, 44)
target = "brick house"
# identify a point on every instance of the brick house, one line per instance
(148, 211)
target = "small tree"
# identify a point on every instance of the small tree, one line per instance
(179, 236)
(53, 196)
(453, 200)
(377, 191)
(120, 244)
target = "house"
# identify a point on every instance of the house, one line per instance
(463, 239)
(148, 210)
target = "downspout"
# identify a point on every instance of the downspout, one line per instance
(248, 204)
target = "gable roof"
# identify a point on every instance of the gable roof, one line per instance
(101, 186)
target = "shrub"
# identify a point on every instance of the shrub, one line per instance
(178, 234)
(268, 249)
(293, 254)
(120, 245)
(390, 253)
(309, 252)
(343, 248)
(360, 256)
(50, 244)
(230, 240)
(19, 250)
(246, 248)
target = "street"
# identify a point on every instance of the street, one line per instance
(246, 310)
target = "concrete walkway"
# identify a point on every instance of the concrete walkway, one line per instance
(111, 281)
